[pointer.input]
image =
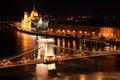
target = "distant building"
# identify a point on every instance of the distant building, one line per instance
(34, 21)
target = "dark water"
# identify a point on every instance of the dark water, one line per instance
(98, 68)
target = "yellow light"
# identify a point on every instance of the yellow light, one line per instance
(112, 35)
(93, 32)
(85, 32)
(68, 31)
(51, 29)
(107, 34)
(63, 31)
(58, 30)
(73, 31)
(80, 32)
(83, 77)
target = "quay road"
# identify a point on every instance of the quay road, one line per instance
(79, 39)
(46, 34)
(9, 62)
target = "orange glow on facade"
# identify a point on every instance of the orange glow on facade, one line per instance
(107, 32)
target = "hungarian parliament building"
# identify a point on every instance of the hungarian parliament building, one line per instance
(34, 21)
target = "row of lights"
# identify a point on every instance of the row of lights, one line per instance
(80, 32)
(68, 31)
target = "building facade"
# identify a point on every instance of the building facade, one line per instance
(34, 21)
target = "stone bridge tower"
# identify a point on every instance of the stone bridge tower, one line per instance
(47, 53)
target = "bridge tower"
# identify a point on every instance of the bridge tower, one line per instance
(47, 53)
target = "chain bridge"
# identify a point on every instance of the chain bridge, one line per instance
(48, 53)
(33, 57)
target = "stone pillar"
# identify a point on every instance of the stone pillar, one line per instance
(46, 69)
(47, 49)
(46, 53)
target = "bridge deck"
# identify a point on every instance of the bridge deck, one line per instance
(84, 54)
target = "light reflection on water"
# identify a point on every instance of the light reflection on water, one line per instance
(41, 70)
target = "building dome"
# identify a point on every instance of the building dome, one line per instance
(34, 13)
(34, 21)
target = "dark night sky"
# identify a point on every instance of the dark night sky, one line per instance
(16, 8)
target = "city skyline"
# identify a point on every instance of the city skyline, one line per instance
(15, 8)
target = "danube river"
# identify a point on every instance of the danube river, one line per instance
(97, 68)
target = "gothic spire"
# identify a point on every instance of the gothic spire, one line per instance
(34, 7)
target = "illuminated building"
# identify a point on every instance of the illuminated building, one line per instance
(26, 23)
(107, 32)
(34, 21)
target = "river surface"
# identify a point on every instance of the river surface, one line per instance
(98, 68)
